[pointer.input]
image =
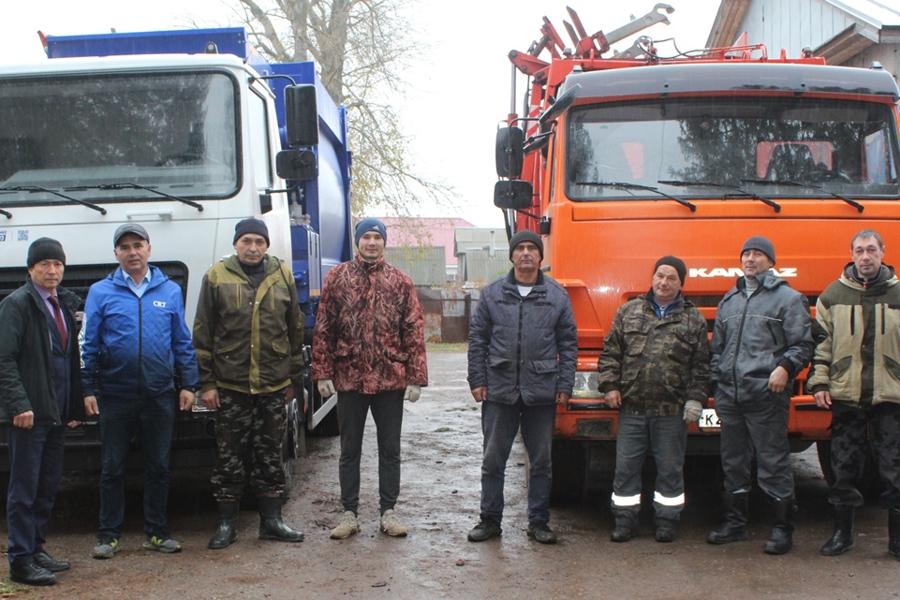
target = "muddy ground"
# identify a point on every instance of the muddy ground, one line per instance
(439, 503)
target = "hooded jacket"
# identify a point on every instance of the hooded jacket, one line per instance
(134, 346)
(26, 363)
(656, 363)
(753, 336)
(370, 329)
(523, 346)
(858, 359)
(249, 340)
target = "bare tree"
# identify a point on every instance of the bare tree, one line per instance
(359, 47)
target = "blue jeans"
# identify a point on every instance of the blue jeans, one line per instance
(666, 438)
(387, 411)
(154, 419)
(36, 465)
(500, 424)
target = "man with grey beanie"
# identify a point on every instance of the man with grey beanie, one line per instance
(523, 348)
(761, 341)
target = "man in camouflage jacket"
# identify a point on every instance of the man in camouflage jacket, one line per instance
(248, 333)
(856, 374)
(369, 347)
(654, 367)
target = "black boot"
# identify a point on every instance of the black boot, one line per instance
(781, 541)
(734, 529)
(894, 532)
(226, 534)
(271, 527)
(842, 540)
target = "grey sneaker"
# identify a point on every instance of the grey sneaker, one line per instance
(164, 545)
(107, 548)
(348, 526)
(391, 525)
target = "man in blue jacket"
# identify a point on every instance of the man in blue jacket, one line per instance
(40, 393)
(523, 348)
(135, 339)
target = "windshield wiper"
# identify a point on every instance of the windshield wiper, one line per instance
(135, 186)
(636, 186)
(37, 188)
(727, 186)
(859, 207)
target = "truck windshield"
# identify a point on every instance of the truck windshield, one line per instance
(170, 132)
(843, 147)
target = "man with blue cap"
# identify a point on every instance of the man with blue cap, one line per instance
(369, 348)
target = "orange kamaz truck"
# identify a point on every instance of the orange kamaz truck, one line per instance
(617, 159)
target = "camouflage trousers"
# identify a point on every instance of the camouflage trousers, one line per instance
(850, 443)
(249, 433)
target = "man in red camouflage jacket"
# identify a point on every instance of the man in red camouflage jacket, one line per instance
(369, 348)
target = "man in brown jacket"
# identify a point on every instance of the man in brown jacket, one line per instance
(369, 347)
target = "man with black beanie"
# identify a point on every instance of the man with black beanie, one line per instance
(761, 341)
(654, 369)
(248, 334)
(40, 393)
(523, 349)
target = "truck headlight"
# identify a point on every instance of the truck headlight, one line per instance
(586, 385)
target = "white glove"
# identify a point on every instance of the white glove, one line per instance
(326, 388)
(692, 410)
(413, 392)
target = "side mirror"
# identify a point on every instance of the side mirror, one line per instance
(562, 104)
(509, 152)
(513, 194)
(301, 114)
(296, 165)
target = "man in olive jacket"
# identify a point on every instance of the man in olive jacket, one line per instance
(40, 393)
(248, 334)
(655, 369)
(856, 374)
(523, 349)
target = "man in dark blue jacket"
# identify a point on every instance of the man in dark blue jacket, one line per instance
(135, 339)
(523, 348)
(40, 392)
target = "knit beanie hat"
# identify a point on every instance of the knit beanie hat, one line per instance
(45, 249)
(369, 224)
(674, 262)
(526, 235)
(762, 244)
(250, 225)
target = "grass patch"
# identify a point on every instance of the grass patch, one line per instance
(10, 588)
(447, 348)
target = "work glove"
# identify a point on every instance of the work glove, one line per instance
(413, 392)
(326, 388)
(692, 410)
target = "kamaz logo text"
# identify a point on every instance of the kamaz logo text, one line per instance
(735, 272)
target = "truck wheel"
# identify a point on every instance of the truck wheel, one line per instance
(568, 471)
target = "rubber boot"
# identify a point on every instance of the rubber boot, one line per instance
(734, 529)
(894, 532)
(842, 540)
(781, 541)
(226, 534)
(271, 527)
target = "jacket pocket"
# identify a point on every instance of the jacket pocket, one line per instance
(543, 367)
(400, 357)
(840, 368)
(228, 348)
(893, 367)
(280, 348)
(498, 362)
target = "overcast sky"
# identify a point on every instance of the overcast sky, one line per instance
(458, 85)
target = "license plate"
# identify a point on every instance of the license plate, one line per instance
(709, 419)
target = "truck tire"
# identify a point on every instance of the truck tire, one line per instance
(568, 471)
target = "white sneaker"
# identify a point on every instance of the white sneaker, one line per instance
(348, 526)
(391, 525)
